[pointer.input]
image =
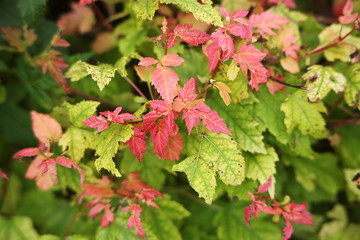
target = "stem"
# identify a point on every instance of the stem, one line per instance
(72, 222)
(135, 87)
(102, 18)
(288, 84)
(150, 91)
(316, 51)
(83, 95)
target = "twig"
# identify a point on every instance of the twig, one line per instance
(135, 87)
(288, 84)
(102, 18)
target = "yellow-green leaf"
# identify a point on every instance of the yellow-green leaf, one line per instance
(145, 9)
(352, 91)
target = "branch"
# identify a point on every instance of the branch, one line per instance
(135, 87)
(288, 84)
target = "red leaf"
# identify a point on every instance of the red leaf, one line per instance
(160, 137)
(187, 93)
(137, 143)
(225, 42)
(213, 55)
(95, 210)
(150, 120)
(3, 175)
(171, 40)
(85, 2)
(68, 163)
(165, 80)
(26, 152)
(50, 62)
(212, 120)
(296, 213)
(45, 127)
(115, 117)
(243, 31)
(347, 16)
(59, 42)
(265, 187)
(182, 27)
(225, 13)
(43, 170)
(108, 217)
(173, 148)
(288, 231)
(98, 122)
(191, 117)
(266, 22)
(239, 15)
(148, 61)
(193, 37)
(171, 59)
(135, 221)
(249, 57)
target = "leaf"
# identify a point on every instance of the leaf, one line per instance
(121, 64)
(43, 170)
(77, 71)
(287, 3)
(290, 64)
(137, 143)
(3, 175)
(320, 80)
(165, 80)
(173, 209)
(79, 19)
(347, 16)
(101, 74)
(307, 116)
(350, 175)
(224, 91)
(148, 61)
(107, 146)
(135, 221)
(173, 148)
(98, 122)
(211, 119)
(145, 9)
(202, 12)
(31, 10)
(82, 111)
(171, 59)
(16, 228)
(193, 37)
(50, 62)
(320, 171)
(145, 73)
(352, 90)
(213, 55)
(261, 167)
(243, 127)
(45, 127)
(269, 113)
(20, 40)
(266, 22)
(26, 152)
(217, 153)
(225, 42)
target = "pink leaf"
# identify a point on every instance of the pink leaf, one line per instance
(182, 27)
(212, 120)
(108, 217)
(45, 127)
(94, 211)
(288, 231)
(213, 55)
(148, 61)
(296, 213)
(98, 122)
(288, 3)
(347, 16)
(68, 163)
(59, 42)
(224, 12)
(115, 117)
(243, 31)
(173, 148)
(266, 22)
(85, 2)
(3, 175)
(43, 171)
(135, 221)
(225, 42)
(165, 80)
(239, 15)
(171, 59)
(150, 120)
(171, 40)
(191, 117)
(193, 37)
(137, 143)
(26, 152)
(160, 137)
(187, 93)
(265, 187)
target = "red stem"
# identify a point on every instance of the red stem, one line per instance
(135, 87)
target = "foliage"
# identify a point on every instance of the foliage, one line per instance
(169, 119)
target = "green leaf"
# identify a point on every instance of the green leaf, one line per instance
(82, 111)
(31, 9)
(132, 39)
(307, 116)
(322, 171)
(49, 237)
(268, 111)
(120, 65)
(231, 226)
(217, 153)
(101, 74)
(77, 71)
(76, 140)
(352, 91)
(240, 124)
(108, 144)
(320, 80)
(261, 167)
(202, 12)
(241, 191)
(300, 144)
(145, 9)
(172, 209)
(351, 186)
(338, 223)
(17, 228)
